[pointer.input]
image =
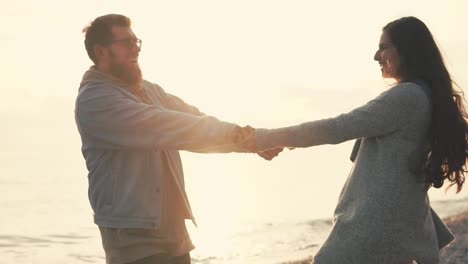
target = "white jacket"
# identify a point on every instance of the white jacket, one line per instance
(128, 145)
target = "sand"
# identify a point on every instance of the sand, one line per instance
(455, 253)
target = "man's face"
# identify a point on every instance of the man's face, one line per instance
(123, 56)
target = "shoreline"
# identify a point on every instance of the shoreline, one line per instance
(455, 253)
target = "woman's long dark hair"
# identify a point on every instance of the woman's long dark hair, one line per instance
(420, 59)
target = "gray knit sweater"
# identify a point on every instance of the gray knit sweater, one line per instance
(383, 213)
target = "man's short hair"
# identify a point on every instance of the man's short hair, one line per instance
(99, 31)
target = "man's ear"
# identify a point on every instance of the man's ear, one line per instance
(101, 52)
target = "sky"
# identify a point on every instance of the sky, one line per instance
(263, 63)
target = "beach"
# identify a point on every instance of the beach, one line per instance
(455, 253)
(75, 239)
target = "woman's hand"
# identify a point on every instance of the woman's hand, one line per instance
(269, 154)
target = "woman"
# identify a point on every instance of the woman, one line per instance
(411, 137)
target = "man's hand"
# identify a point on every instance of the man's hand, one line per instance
(269, 154)
(244, 137)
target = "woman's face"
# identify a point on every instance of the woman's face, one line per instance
(388, 58)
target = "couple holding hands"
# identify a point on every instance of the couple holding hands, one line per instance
(410, 138)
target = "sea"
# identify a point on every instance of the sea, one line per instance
(43, 220)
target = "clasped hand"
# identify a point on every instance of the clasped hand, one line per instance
(245, 138)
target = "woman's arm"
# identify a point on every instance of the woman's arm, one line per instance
(384, 115)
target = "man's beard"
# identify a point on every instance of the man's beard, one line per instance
(128, 73)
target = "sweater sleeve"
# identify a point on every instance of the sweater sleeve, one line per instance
(106, 116)
(383, 115)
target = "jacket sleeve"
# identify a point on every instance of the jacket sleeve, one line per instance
(178, 104)
(112, 120)
(227, 148)
(175, 103)
(384, 115)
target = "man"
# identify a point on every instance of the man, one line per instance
(131, 131)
